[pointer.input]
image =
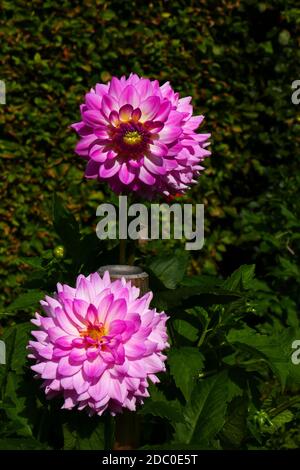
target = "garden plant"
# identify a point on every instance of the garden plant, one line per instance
(172, 103)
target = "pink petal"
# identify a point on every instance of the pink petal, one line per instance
(164, 111)
(97, 154)
(125, 112)
(117, 310)
(92, 314)
(64, 322)
(94, 369)
(100, 389)
(93, 101)
(101, 89)
(115, 88)
(150, 107)
(155, 167)
(136, 114)
(144, 87)
(154, 126)
(66, 369)
(64, 342)
(80, 308)
(108, 104)
(67, 383)
(136, 369)
(125, 175)
(50, 370)
(92, 353)
(109, 169)
(39, 368)
(135, 350)
(169, 134)
(116, 391)
(77, 320)
(93, 117)
(82, 148)
(92, 169)
(77, 355)
(104, 307)
(194, 122)
(116, 327)
(158, 149)
(130, 96)
(146, 177)
(114, 118)
(79, 383)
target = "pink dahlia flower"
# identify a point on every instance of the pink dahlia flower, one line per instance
(98, 344)
(140, 136)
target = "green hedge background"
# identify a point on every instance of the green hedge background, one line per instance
(237, 59)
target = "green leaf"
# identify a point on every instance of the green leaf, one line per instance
(275, 350)
(15, 402)
(185, 329)
(235, 428)
(185, 365)
(206, 282)
(241, 278)
(34, 261)
(21, 444)
(205, 412)
(170, 270)
(28, 299)
(281, 419)
(163, 409)
(15, 339)
(84, 433)
(189, 297)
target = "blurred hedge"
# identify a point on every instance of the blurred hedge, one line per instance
(236, 58)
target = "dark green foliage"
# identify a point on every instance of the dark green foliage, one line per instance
(230, 381)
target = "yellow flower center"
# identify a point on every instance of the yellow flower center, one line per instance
(132, 138)
(94, 332)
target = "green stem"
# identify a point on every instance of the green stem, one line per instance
(109, 432)
(284, 406)
(203, 334)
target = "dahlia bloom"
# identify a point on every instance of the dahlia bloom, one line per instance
(140, 136)
(98, 344)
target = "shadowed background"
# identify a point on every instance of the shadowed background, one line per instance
(236, 59)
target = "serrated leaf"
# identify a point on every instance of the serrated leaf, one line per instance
(241, 278)
(15, 404)
(205, 412)
(185, 365)
(275, 349)
(163, 409)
